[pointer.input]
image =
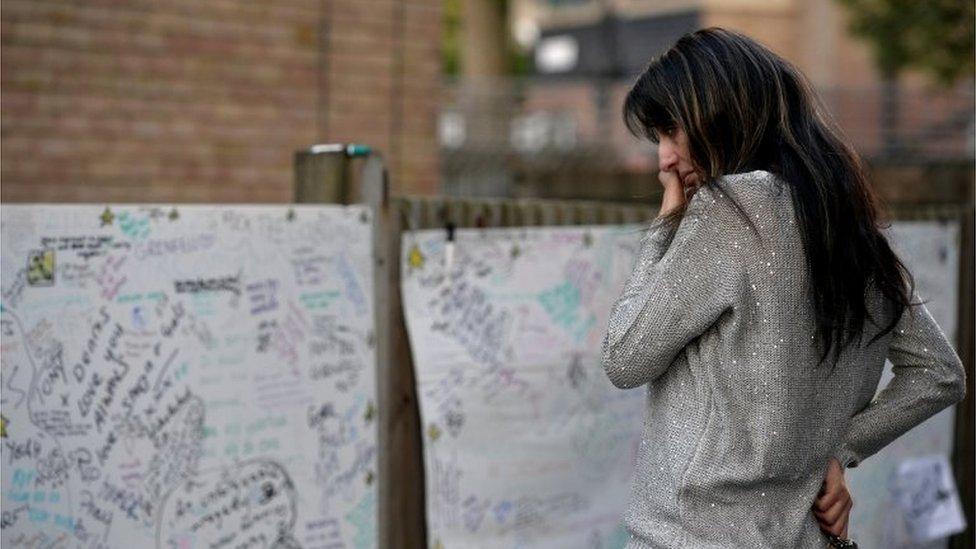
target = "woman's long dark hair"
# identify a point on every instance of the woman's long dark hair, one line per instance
(745, 108)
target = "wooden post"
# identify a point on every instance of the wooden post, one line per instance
(401, 506)
(323, 175)
(963, 444)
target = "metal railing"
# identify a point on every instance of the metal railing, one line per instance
(497, 138)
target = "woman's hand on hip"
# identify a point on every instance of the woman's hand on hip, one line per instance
(833, 504)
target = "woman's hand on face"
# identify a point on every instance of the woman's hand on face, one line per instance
(674, 194)
(833, 504)
(669, 180)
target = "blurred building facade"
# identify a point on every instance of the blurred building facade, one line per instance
(184, 101)
(558, 132)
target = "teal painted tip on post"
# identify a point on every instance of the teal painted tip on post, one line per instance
(349, 149)
(358, 150)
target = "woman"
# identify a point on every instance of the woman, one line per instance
(761, 309)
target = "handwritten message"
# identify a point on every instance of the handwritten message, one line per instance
(526, 443)
(189, 376)
(928, 498)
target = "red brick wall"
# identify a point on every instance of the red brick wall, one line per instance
(185, 101)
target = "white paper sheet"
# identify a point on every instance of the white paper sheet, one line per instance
(927, 496)
(526, 442)
(189, 376)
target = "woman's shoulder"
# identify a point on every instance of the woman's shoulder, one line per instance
(761, 181)
(754, 184)
(753, 191)
(759, 195)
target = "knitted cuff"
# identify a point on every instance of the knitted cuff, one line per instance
(846, 457)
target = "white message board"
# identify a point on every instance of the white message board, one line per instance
(188, 376)
(519, 424)
(930, 250)
(526, 442)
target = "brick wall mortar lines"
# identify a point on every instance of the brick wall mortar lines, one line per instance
(146, 99)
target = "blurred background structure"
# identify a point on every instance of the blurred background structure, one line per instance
(548, 123)
(207, 102)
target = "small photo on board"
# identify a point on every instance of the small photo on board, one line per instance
(40, 267)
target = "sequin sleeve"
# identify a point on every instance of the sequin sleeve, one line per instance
(653, 244)
(928, 377)
(679, 287)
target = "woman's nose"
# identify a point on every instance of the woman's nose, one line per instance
(666, 157)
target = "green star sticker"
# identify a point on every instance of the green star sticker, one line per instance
(369, 478)
(107, 217)
(370, 412)
(174, 215)
(434, 432)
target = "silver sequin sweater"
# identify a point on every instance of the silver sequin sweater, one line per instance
(715, 324)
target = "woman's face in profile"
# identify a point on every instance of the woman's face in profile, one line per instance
(673, 156)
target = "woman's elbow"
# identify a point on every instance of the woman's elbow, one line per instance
(948, 379)
(621, 379)
(956, 382)
(623, 373)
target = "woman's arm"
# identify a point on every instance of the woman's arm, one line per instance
(680, 286)
(929, 376)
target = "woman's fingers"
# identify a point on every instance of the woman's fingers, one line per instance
(832, 507)
(834, 512)
(833, 490)
(838, 527)
(832, 493)
(824, 502)
(845, 519)
(669, 179)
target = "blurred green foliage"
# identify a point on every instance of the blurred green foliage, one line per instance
(518, 62)
(933, 36)
(451, 45)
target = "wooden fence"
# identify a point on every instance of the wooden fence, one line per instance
(343, 175)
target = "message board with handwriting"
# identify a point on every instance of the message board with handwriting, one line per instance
(188, 376)
(526, 441)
